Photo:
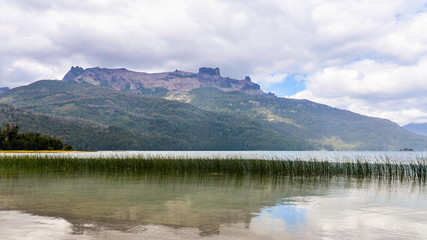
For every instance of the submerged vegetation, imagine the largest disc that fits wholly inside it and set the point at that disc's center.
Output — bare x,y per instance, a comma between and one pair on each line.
383,169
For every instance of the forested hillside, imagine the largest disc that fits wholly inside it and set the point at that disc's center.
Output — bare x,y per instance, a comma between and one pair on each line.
12,139
97,109
418,128
325,127
177,125
82,135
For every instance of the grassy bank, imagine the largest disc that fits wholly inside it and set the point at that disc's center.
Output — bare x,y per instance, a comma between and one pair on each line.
291,167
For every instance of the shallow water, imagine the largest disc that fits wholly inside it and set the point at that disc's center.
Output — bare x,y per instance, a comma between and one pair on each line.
55,205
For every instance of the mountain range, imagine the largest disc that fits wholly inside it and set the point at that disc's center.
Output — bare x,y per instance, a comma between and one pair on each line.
418,128
120,109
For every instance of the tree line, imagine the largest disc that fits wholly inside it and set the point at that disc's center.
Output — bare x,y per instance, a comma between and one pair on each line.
11,139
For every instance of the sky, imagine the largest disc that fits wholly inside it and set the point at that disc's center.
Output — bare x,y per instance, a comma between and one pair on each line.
369,57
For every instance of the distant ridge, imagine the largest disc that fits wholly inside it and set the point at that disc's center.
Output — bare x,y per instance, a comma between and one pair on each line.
4,89
162,84
418,128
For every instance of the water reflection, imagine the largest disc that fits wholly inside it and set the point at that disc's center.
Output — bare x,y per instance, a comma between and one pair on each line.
18,225
100,206
289,218
125,201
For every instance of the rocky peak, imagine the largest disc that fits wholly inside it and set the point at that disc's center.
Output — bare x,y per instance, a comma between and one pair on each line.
209,71
73,73
172,83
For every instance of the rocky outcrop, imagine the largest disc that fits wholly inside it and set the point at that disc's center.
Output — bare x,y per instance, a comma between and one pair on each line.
73,73
176,82
209,71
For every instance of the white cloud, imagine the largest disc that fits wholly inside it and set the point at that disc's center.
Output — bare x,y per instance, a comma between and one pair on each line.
26,68
378,89
267,40
269,79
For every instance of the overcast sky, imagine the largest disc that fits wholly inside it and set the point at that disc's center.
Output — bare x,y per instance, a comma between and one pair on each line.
366,56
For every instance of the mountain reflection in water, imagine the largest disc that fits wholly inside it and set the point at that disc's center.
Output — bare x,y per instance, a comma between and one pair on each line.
98,205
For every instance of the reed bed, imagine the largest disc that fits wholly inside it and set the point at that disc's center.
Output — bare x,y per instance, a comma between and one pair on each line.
383,168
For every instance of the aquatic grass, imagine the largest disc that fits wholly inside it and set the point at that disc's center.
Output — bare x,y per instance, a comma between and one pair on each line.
312,167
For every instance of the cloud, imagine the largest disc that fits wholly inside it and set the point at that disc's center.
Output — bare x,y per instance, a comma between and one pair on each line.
236,36
386,77
322,40
26,68
377,89
351,212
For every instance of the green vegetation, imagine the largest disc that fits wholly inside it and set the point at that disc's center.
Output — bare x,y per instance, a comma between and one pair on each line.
68,147
416,170
94,117
83,134
320,125
11,139
418,128
144,123
158,92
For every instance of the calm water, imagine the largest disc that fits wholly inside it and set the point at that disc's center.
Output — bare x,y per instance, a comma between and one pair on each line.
57,205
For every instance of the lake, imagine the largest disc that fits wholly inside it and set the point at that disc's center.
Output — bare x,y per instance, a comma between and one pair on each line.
99,205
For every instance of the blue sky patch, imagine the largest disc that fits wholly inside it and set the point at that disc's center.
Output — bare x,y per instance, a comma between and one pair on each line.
293,83
293,216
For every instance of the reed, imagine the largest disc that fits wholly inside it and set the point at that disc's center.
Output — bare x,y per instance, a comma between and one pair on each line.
290,167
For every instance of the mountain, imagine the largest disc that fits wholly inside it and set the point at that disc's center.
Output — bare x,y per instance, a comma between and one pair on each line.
3,89
81,134
174,85
205,111
179,125
418,128
321,125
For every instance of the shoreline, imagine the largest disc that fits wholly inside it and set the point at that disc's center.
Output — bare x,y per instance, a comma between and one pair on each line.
40,151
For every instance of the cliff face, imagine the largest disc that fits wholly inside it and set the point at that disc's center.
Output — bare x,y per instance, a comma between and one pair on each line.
74,73
166,83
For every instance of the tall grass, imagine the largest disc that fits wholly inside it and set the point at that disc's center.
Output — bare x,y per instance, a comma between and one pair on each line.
291,167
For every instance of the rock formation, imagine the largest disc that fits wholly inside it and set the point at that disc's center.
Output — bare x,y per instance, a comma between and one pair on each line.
176,82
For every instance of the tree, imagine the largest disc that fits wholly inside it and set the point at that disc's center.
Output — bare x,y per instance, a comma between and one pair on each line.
11,139
68,147
10,132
